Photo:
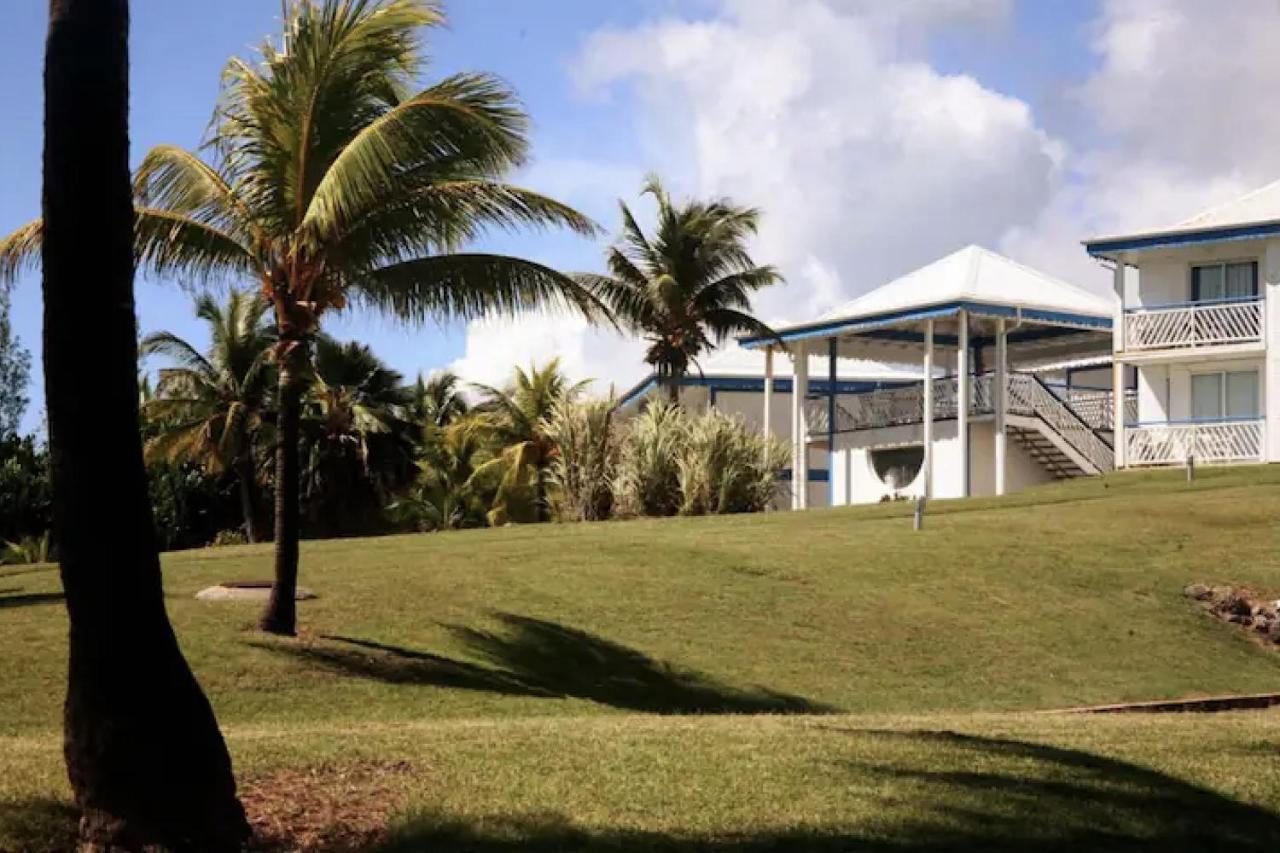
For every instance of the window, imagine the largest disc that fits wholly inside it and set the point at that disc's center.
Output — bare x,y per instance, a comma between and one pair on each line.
1232,394
897,468
1213,282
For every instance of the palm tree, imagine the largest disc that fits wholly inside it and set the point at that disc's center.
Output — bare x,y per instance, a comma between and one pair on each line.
144,756
357,439
457,478
687,289
519,415
437,401
333,183
209,408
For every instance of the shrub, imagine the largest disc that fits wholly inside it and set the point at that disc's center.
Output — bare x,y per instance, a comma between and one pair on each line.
648,478
232,536
28,549
586,461
726,467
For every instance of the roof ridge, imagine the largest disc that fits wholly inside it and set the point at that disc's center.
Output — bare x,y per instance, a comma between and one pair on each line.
1209,211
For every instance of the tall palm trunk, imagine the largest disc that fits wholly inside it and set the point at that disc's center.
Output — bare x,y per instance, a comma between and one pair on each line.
145,759
249,499
280,616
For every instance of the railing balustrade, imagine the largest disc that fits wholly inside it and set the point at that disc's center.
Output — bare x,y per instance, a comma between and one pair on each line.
1096,407
1195,324
1027,396
1208,441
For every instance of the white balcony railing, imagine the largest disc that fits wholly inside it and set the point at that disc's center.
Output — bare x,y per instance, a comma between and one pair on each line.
1193,324
1206,441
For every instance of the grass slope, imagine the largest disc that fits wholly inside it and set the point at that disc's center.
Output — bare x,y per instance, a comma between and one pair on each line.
427,648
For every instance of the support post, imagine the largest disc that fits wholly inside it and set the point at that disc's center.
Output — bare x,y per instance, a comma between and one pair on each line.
927,414
799,425
767,426
832,353
962,401
1001,403
1118,437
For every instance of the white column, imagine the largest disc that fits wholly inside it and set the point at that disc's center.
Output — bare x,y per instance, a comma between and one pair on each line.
928,408
1271,365
1000,401
767,427
1117,282
800,429
1117,412
962,401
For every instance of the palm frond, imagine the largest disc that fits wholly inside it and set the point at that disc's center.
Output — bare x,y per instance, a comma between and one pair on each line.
20,250
471,286
173,244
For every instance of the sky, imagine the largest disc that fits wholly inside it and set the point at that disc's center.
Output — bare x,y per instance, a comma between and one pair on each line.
874,136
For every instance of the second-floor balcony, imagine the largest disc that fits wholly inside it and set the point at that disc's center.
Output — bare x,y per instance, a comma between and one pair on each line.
1194,324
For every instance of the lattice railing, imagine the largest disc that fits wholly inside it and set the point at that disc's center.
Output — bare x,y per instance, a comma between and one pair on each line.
1215,441
1193,325
1097,407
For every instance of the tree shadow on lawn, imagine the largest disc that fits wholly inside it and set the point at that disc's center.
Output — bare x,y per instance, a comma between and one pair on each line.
536,657
1014,796
10,598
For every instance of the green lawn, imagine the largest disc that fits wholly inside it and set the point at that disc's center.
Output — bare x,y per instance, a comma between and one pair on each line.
521,681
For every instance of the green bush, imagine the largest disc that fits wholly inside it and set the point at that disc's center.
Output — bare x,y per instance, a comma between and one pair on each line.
726,467
585,465
28,549
671,461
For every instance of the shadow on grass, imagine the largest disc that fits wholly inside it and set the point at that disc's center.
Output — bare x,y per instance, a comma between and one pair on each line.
38,826
12,598
535,657
975,794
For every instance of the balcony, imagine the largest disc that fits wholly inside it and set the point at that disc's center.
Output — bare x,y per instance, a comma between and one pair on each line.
1194,324
1216,441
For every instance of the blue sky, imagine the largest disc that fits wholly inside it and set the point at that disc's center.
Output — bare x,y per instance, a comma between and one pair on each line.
1034,53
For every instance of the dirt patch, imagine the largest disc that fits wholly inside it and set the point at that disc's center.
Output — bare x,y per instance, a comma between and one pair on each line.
339,809
1257,612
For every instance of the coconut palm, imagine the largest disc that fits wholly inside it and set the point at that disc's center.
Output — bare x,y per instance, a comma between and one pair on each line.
333,182
519,415
689,287
437,401
144,758
357,440
208,408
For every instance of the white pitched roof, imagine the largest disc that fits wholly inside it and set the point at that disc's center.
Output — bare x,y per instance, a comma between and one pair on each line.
734,361
973,274
1253,208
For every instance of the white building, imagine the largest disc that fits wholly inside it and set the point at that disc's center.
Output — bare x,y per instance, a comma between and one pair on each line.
733,381
998,332
1196,322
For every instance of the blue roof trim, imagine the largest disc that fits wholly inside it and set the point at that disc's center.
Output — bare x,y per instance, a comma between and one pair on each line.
1102,248
870,327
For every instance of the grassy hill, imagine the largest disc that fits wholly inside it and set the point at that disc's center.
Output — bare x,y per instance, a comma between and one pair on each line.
437,649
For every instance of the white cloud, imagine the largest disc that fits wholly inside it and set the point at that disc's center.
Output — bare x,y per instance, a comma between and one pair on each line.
868,162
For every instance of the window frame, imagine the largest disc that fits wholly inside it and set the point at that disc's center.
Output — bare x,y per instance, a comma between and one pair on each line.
1193,285
1222,374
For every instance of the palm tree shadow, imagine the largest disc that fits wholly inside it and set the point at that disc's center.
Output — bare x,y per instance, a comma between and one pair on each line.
564,661
38,825
12,598
972,795
536,657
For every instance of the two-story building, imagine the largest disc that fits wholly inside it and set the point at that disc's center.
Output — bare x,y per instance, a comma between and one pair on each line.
1196,305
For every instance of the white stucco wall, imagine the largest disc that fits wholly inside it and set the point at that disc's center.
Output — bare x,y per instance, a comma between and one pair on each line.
1166,277
856,481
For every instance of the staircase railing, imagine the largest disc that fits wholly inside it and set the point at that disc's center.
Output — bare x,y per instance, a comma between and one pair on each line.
1028,395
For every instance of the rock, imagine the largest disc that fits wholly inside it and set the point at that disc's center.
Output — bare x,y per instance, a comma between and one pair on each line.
1198,591
247,593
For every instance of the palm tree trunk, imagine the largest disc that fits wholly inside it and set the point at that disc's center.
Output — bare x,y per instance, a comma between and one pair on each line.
673,389
280,616
248,500
144,756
